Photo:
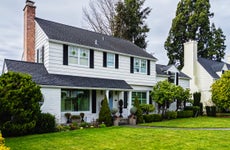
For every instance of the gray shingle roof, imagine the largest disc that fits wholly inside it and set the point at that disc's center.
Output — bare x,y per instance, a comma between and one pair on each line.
212,66
65,33
42,77
161,70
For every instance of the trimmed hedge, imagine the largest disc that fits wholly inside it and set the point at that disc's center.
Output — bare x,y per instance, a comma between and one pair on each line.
171,115
185,114
152,118
211,111
45,123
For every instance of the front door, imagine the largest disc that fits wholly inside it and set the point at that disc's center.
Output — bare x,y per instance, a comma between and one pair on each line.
110,99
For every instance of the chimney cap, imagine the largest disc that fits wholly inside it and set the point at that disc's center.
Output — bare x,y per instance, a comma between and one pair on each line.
30,3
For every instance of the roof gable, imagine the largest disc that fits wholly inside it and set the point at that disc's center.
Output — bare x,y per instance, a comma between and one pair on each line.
212,66
70,34
162,70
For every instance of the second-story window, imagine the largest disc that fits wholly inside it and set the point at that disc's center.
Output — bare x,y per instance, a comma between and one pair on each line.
140,65
78,56
110,60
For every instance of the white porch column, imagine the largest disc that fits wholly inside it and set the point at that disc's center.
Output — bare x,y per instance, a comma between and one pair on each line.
147,96
129,100
107,95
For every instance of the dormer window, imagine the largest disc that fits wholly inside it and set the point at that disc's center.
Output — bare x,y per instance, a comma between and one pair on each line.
78,56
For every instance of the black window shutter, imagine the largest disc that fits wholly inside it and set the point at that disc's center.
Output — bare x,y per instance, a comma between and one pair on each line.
125,99
131,65
104,59
116,61
65,54
43,51
148,67
94,101
177,81
150,98
37,55
91,64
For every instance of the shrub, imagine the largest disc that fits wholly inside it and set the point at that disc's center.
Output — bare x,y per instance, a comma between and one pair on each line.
139,113
19,104
133,110
102,125
105,114
171,114
13,129
196,97
195,109
185,114
152,118
211,111
147,108
45,123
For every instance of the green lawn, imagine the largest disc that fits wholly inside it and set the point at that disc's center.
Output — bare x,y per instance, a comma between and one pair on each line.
200,122
129,138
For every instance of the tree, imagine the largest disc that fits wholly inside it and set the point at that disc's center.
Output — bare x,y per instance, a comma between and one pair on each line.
139,112
164,94
100,16
19,104
182,96
129,21
105,114
221,91
192,23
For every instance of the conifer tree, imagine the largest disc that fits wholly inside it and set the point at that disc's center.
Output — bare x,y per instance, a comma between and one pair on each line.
105,114
192,23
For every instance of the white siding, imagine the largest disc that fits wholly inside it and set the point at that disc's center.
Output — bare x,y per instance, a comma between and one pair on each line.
204,82
52,102
182,82
56,66
41,40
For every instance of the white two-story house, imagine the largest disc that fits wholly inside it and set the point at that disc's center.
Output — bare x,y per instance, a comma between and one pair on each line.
77,68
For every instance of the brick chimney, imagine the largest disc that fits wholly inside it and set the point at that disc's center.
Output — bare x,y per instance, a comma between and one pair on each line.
29,31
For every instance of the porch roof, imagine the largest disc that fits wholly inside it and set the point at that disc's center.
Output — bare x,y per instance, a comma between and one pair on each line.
41,76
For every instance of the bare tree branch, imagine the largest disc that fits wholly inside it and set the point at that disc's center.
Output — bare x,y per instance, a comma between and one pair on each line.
100,16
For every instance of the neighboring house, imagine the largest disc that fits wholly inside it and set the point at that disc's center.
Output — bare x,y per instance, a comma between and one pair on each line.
203,72
173,75
76,68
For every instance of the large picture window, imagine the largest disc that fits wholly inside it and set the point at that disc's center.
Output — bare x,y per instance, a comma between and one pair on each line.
78,56
140,65
142,97
75,100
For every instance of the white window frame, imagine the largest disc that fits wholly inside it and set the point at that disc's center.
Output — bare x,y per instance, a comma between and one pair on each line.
110,62
75,53
138,67
140,99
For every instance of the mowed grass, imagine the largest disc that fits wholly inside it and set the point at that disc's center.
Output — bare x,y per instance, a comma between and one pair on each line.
127,138
199,122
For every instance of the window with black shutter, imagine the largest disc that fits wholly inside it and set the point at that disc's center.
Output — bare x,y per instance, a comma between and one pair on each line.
116,61
131,65
125,99
104,59
148,67
65,54
94,101
91,64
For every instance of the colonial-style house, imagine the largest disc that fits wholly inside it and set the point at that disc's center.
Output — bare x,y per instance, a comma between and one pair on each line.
173,75
203,72
77,68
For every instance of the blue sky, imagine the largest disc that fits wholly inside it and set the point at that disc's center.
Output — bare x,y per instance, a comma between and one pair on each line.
70,12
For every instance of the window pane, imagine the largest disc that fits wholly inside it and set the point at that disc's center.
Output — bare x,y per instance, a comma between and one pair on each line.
73,55
136,65
142,97
143,66
84,57
110,60
75,100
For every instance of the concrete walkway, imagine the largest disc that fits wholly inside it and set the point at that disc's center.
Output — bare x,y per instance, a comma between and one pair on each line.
175,128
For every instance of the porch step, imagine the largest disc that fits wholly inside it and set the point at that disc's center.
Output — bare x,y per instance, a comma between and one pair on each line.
123,121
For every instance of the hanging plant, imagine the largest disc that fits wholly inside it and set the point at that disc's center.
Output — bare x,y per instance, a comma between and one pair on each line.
73,52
